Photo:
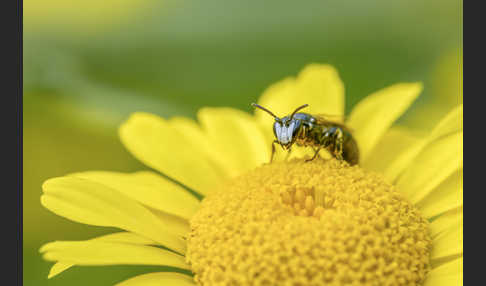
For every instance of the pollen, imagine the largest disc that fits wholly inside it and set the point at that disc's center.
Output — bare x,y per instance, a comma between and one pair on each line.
303,223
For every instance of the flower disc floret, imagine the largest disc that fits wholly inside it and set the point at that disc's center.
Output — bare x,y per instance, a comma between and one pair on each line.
308,223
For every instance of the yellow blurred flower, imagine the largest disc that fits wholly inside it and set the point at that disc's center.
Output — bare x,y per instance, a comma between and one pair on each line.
394,220
77,16
445,91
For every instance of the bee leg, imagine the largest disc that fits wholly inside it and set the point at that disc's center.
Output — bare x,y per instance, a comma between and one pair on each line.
273,150
288,154
338,146
315,155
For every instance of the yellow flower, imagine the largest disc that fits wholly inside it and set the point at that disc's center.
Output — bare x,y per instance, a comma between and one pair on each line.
81,18
394,220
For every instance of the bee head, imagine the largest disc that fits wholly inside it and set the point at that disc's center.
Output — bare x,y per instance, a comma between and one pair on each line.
284,128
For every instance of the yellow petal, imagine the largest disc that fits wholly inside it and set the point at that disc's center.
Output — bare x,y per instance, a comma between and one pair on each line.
449,243
447,196
438,160
393,142
149,189
92,203
192,131
276,98
236,136
157,144
158,279
448,274
124,237
322,86
110,253
121,237
450,124
453,218
373,115
173,223
316,85
59,267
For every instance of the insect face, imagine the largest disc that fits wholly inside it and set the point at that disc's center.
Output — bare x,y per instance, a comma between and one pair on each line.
285,130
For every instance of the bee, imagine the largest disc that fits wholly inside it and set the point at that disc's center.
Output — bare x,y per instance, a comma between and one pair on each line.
313,131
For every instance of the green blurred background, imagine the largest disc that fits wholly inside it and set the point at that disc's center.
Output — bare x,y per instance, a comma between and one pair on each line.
88,64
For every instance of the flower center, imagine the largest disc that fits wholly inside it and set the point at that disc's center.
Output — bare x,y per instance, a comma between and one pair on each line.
308,223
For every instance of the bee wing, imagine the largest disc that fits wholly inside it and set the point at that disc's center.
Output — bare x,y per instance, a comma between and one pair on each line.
333,119
330,117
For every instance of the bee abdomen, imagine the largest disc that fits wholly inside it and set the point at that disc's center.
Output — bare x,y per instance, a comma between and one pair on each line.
351,151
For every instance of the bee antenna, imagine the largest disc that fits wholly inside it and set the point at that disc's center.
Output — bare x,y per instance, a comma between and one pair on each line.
266,110
298,108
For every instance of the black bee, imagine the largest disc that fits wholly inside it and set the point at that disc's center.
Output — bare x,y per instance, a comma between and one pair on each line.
313,131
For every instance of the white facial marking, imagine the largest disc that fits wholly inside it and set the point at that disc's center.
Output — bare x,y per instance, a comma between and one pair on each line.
284,133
